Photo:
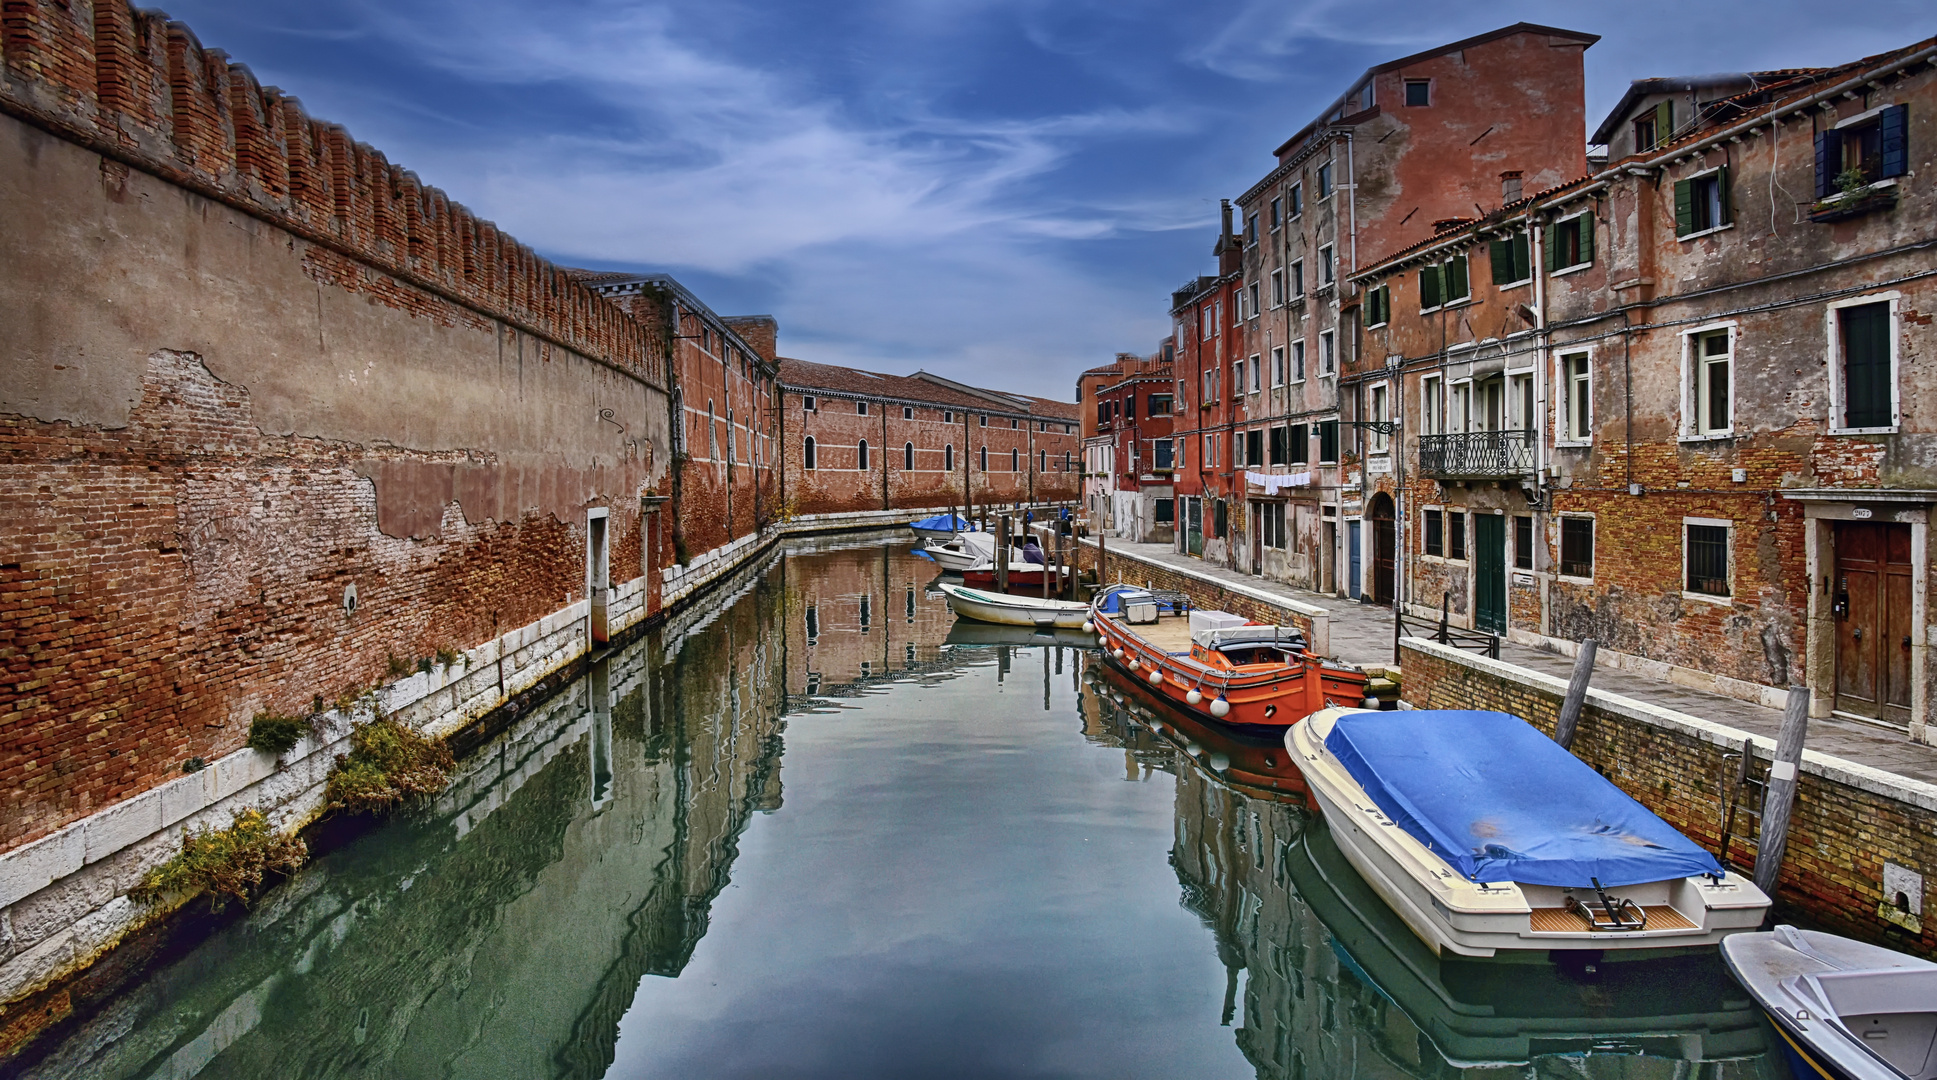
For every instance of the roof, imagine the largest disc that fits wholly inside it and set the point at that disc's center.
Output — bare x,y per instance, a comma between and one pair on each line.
1439,50
1742,80
920,387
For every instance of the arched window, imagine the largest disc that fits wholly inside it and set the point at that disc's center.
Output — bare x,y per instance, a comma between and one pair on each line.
948,457
861,462
908,456
807,453
1042,461
1015,460
985,459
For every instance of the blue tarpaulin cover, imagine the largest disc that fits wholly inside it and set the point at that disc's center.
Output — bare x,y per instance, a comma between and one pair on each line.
1500,801
951,522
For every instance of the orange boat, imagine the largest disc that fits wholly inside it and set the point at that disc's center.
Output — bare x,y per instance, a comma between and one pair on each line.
1218,666
1253,763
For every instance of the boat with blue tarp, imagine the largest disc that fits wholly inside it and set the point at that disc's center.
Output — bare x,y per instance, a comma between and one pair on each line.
1485,835
942,526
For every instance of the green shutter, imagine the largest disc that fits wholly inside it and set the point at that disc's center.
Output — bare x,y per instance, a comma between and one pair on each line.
1428,287
1522,257
1684,207
1499,254
1457,287
1550,244
1587,237
1727,213
1664,123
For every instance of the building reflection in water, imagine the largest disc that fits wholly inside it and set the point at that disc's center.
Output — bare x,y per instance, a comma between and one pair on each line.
1323,980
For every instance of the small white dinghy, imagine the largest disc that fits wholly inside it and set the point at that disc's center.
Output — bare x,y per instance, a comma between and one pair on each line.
1485,836
1013,610
1845,1010
963,551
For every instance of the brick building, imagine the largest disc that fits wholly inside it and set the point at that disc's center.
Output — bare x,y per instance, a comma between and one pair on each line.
1445,133
858,441
1674,404
1127,410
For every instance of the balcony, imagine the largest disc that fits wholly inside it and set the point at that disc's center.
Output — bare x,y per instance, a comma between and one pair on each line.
1476,455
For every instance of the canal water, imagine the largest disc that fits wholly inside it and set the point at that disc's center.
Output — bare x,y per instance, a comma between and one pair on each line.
818,829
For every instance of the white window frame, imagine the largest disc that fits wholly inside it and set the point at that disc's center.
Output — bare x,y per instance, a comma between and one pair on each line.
1205,318
1564,421
1835,353
1571,268
1295,201
1692,413
1516,378
1325,174
1277,366
1298,361
1327,267
807,403
1278,294
1728,546
1257,373
1378,399
1327,354
1712,229
1459,406
1432,401
1237,377
1297,283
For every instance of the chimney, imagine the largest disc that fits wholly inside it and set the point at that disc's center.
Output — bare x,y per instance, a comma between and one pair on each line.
1509,187
1225,205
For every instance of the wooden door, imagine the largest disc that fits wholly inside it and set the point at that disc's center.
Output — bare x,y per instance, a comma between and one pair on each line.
1490,573
1871,605
1384,543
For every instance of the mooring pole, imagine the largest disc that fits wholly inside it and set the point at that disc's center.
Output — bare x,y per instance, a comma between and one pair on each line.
1002,553
1781,790
1570,707
1045,558
1398,627
1099,558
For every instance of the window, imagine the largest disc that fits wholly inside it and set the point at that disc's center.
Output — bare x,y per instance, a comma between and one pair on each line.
1065,461
1326,270
1864,344
1577,390
1459,411
1570,243
1702,203
1253,293
1277,447
1443,283
1706,407
1300,442
948,417
861,456
985,420
1435,532
1297,361
1456,534
1577,547
1257,373
1272,517
1863,151
1706,553
1278,365
1016,425
1511,259
985,459
1251,231
1277,288
1015,460
1654,127
1523,543
1210,385
1324,181
1160,454
1379,445
1159,404
1297,278
1328,442
1237,378
907,412
1253,448
1296,200
1327,354
813,623
807,403
1377,309
908,457
1432,391
1204,317
1210,450
948,458
1277,213
1163,511
807,453
861,408
1419,92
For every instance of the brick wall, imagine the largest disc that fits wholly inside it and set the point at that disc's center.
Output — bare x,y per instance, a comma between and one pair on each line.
1848,819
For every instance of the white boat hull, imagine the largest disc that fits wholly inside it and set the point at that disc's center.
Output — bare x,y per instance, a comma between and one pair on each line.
1453,915
1014,610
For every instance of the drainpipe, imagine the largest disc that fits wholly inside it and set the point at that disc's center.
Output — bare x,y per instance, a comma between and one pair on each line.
1536,240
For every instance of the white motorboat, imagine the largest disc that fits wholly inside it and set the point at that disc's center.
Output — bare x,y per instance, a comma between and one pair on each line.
1485,836
1014,610
1845,1010
964,551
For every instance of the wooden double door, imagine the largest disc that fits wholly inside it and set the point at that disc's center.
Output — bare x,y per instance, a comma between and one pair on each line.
1871,605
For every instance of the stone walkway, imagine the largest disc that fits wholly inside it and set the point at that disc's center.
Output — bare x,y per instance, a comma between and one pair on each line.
1362,634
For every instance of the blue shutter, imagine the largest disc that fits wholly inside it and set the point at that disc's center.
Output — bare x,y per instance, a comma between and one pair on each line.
1895,125
1829,148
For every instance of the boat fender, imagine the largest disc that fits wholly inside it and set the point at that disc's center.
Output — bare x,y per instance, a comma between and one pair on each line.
1156,678
1220,708
1133,663
1089,627
1193,697
1118,653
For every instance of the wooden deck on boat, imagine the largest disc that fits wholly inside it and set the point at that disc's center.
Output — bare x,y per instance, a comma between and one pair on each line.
1171,633
1562,921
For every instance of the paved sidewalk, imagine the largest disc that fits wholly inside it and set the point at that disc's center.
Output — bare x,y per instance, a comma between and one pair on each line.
1362,634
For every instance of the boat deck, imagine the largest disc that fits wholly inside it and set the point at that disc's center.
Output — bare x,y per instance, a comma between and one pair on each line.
1562,921
1171,633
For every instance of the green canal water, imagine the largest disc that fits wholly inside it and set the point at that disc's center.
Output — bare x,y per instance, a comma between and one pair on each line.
819,830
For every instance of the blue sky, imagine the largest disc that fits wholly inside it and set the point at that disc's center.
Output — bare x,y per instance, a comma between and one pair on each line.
1001,191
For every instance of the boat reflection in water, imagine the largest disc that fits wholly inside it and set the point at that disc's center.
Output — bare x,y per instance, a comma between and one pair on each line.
1324,980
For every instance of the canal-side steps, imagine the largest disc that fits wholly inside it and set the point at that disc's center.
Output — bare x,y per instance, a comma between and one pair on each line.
1863,831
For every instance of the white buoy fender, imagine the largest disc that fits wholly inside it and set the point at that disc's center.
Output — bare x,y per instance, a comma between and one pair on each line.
1133,663
1193,697
1156,677
1089,627
1220,708
1118,653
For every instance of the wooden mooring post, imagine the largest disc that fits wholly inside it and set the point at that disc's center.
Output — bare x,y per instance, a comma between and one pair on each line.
1002,553
1570,706
1780,793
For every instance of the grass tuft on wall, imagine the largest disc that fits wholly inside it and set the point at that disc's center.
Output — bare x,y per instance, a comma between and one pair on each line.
229,863
388,766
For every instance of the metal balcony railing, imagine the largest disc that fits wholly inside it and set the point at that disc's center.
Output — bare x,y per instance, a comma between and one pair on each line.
1473,454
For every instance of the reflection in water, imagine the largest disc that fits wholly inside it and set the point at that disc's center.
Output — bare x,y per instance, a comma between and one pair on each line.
958,885
1324,980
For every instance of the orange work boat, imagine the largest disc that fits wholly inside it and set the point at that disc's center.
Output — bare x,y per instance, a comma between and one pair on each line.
1218,666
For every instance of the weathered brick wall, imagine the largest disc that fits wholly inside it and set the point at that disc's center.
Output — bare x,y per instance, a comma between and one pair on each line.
1847,820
